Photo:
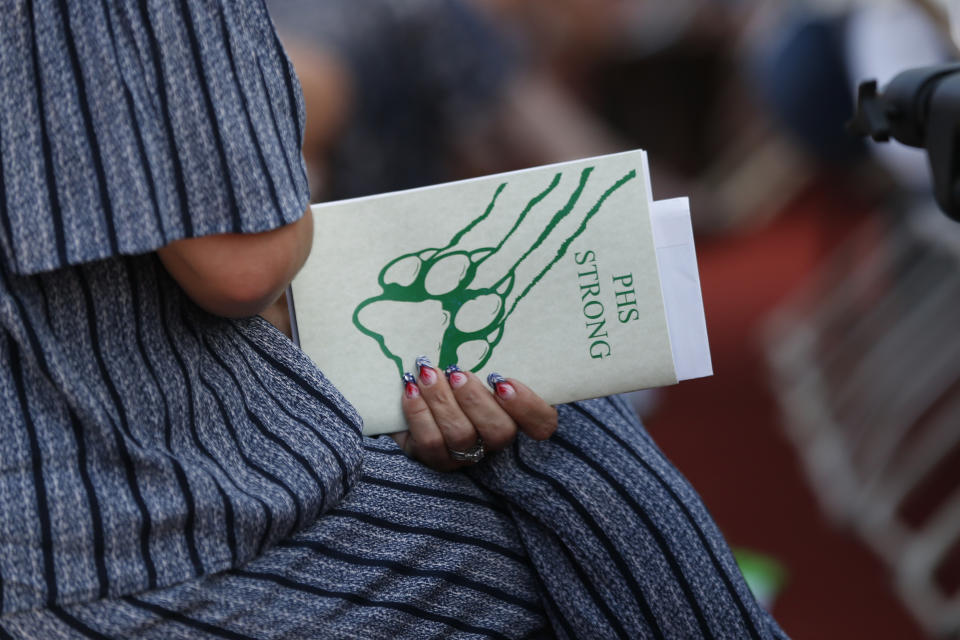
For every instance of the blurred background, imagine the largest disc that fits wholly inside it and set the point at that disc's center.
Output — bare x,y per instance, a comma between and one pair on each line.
827,444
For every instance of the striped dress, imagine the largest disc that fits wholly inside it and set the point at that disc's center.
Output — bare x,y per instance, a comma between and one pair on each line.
165,473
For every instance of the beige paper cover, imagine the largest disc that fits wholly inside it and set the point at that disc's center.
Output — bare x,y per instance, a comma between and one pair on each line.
547,275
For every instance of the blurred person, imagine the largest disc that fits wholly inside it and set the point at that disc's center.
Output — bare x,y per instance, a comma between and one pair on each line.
880,41
811,57
406,79
402,94
172,466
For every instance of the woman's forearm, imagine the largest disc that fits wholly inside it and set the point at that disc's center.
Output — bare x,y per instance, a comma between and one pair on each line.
238,275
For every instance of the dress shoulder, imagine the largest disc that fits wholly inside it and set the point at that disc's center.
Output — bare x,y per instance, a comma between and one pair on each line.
127,125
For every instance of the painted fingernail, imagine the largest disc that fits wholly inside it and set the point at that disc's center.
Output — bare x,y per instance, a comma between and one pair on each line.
456,376
410,388
500,386
428,375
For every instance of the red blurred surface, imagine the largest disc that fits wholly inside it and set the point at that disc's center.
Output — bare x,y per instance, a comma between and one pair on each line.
724,433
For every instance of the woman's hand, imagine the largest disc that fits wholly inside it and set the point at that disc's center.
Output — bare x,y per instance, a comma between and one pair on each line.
450,416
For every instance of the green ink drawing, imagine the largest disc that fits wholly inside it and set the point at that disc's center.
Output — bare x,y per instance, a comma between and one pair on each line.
472,291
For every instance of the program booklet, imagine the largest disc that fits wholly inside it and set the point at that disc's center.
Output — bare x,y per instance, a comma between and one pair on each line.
568,277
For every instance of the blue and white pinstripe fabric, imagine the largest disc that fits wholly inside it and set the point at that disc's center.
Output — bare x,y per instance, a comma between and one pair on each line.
168,474
128,124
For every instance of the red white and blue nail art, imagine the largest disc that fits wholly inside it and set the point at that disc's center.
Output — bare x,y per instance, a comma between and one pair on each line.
410,388
428,375
455,376
500,386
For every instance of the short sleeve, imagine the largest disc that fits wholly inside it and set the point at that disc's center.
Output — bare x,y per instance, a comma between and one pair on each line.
127,125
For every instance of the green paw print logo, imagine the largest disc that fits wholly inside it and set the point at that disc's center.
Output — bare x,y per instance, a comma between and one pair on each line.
471,291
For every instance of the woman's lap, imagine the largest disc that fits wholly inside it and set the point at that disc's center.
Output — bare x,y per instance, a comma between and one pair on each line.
409,553
638,552
594,525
